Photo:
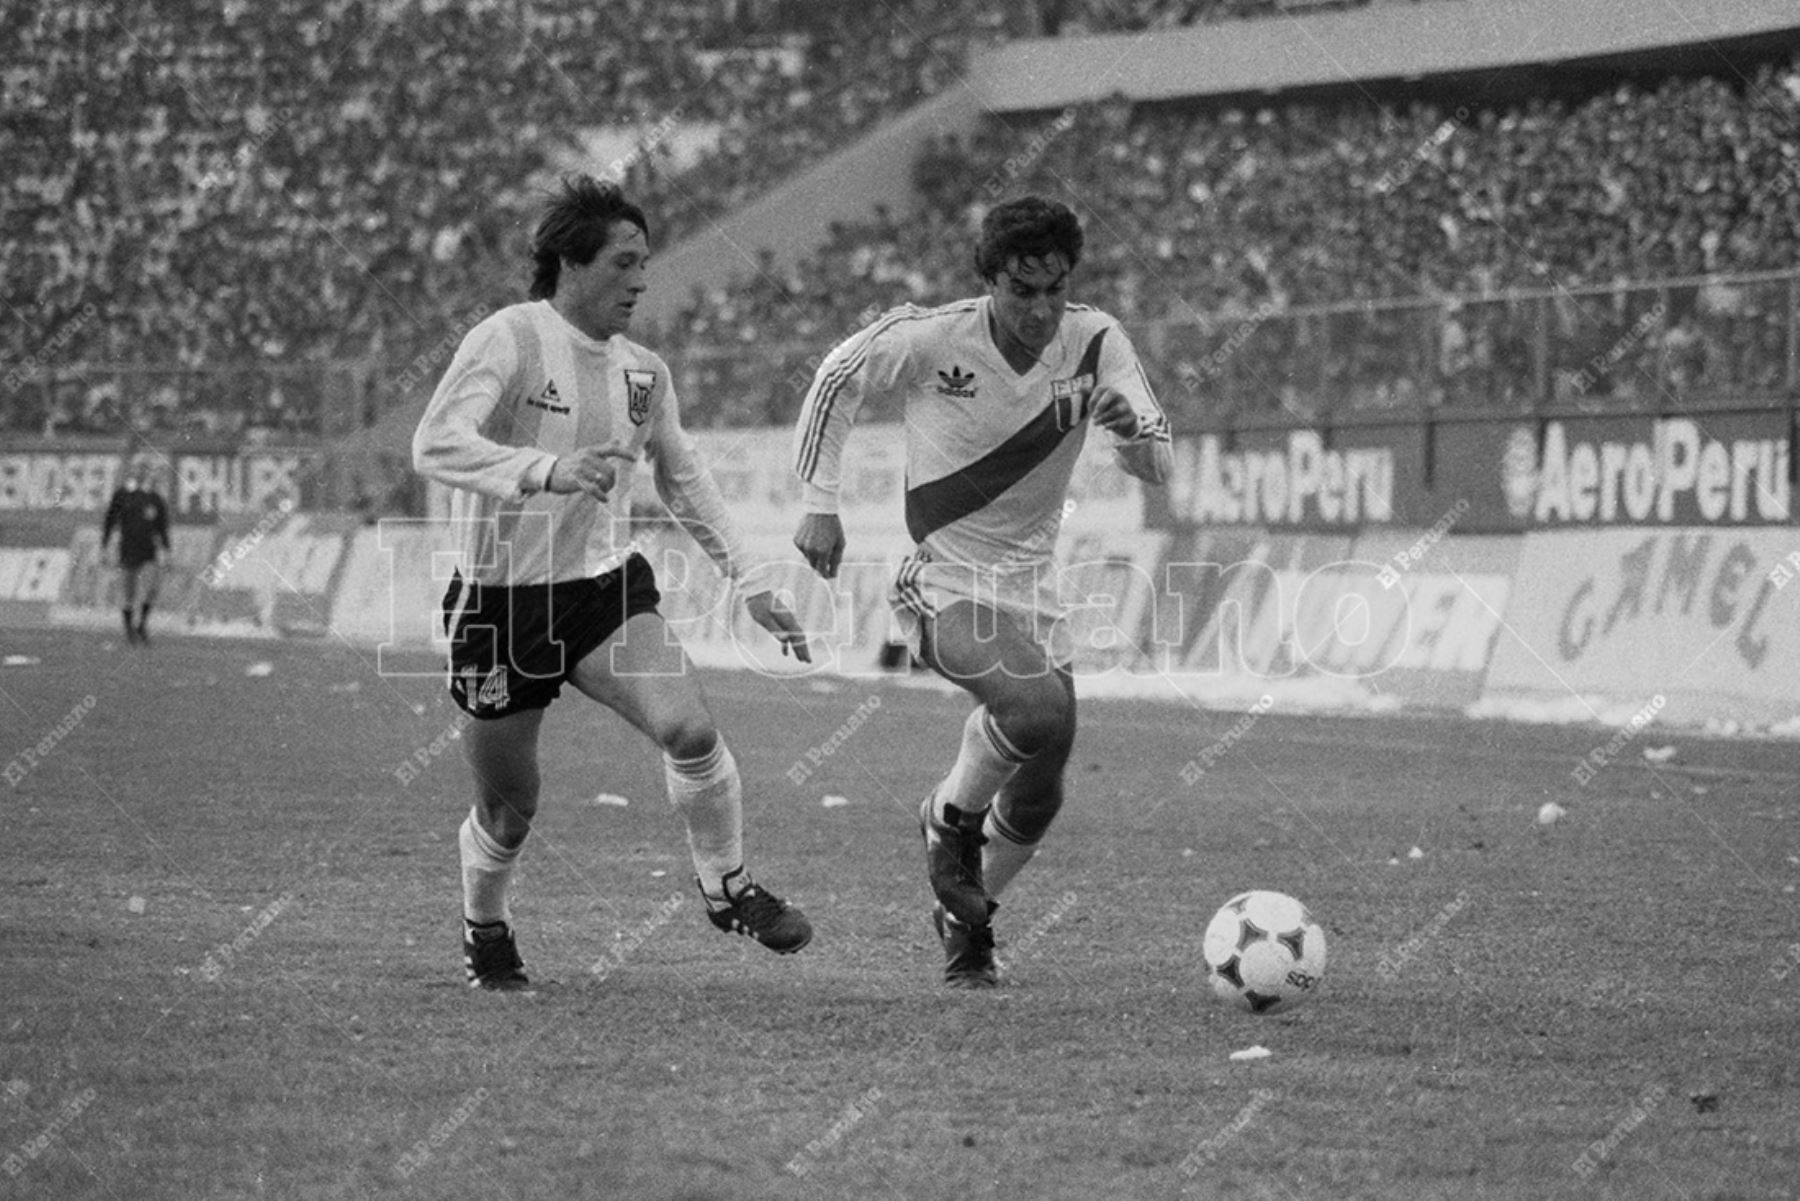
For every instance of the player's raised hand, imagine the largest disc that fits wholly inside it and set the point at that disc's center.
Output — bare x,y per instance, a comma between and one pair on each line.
1113,413
767,610
588,470
820,539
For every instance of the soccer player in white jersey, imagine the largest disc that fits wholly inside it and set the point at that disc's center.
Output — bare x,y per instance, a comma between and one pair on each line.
997,393
538,422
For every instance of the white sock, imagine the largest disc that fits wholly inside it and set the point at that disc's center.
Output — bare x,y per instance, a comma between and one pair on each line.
487,867
1004,855
709,795
986,762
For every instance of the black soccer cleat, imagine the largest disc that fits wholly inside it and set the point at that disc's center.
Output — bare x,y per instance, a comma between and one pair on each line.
491,958
953,863
757,913
968,951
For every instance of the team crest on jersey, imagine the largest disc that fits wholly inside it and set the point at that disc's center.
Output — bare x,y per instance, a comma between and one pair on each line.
1071,397
957,382
549,399
638,387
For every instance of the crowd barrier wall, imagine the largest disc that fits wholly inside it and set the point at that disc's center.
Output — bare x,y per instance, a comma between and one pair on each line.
1589,622
1699,624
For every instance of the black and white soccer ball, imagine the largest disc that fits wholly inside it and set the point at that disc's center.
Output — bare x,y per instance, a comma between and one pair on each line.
1264,952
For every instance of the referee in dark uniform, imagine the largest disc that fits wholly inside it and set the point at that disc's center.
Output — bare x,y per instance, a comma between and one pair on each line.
141,516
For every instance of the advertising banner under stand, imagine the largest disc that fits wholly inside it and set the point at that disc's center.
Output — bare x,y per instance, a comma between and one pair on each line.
1618,469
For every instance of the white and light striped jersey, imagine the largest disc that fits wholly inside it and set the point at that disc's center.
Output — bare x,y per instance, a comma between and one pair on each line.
526,387
989,451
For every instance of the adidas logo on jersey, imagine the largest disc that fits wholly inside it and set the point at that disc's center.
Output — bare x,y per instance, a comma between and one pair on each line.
549,399
957,382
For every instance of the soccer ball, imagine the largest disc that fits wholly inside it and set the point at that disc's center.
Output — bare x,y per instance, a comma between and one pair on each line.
1264,952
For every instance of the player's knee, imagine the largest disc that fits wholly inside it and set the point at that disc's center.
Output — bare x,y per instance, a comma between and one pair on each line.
507,811
686,736
1039,722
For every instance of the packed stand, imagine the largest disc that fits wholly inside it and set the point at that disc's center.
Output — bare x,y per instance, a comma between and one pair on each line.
1210,226
195,183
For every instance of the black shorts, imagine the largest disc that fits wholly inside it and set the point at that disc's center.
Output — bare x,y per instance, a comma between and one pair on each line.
512,648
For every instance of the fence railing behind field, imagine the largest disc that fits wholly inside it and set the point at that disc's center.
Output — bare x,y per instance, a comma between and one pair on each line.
1659,346
1662,346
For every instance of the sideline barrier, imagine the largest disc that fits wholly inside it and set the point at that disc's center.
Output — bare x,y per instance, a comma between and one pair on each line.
263,577
392,589
34,570
1573,625
1218,617
1427,617
1607,620
1262,624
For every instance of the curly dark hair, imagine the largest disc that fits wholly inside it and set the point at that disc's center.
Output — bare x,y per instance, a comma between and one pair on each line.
1026,228
575,226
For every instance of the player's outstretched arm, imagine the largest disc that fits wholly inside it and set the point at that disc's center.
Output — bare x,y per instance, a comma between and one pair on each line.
1143,439
162,526
114,508
692,496
449,445
870,363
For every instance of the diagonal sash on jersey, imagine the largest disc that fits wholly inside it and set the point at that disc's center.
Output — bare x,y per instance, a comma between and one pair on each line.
934,505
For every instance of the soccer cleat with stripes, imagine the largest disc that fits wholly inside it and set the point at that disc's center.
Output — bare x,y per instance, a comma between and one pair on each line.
755,912
968,951
491,958
953,863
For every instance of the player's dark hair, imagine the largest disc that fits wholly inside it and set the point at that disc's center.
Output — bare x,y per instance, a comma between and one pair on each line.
575,226
1027,228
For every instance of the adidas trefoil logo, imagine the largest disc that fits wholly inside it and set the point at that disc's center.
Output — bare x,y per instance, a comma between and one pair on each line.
957,382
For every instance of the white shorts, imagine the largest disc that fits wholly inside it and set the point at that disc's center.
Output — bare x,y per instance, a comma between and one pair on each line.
923,587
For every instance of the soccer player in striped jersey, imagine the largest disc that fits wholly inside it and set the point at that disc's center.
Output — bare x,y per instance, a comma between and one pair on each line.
997,394
537,423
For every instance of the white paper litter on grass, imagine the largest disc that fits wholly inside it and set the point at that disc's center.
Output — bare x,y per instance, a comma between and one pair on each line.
21,660
1257,1052
260,669
834,801
1659,754
610,798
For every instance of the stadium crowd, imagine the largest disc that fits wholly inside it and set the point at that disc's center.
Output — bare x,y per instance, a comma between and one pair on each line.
197,182
1225,218
205,181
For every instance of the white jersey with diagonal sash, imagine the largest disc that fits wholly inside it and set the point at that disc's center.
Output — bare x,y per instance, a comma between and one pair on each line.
989,450
527,387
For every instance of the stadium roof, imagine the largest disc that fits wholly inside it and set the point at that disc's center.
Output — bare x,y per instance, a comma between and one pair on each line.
1392,41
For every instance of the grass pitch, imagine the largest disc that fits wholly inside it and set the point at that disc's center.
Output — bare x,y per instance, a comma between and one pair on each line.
228,924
